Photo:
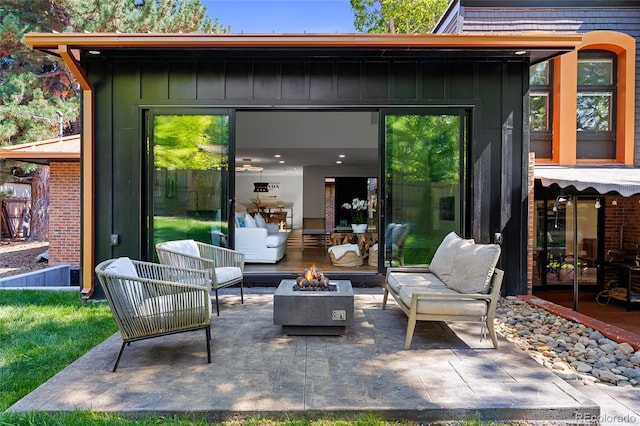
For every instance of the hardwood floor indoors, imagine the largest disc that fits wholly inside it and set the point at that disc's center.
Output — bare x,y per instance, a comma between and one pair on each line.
296,260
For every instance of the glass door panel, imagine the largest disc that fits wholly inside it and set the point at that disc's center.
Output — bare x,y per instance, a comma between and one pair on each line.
558,266
424,175
190,178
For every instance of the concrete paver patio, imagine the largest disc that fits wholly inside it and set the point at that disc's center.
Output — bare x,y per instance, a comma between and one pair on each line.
449,374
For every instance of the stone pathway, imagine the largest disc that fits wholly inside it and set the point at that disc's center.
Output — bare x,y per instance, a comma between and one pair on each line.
570,349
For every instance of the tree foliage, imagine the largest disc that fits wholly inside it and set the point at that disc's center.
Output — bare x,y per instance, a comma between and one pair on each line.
193,142
397,16
39,97
129,16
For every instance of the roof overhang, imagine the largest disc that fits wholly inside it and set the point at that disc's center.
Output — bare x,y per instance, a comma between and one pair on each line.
624,181
536,45
64,149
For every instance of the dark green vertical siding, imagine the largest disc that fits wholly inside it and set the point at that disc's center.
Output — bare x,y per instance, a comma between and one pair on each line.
492,90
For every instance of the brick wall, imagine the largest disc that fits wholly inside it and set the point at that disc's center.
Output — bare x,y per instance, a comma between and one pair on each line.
626,212
330,205
64,214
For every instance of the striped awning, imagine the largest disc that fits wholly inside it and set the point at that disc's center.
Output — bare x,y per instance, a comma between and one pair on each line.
624,181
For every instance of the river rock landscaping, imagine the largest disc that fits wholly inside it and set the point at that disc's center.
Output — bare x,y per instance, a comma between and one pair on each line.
571,350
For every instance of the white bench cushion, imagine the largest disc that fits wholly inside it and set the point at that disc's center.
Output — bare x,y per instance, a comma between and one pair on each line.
397,280
473,268
458,307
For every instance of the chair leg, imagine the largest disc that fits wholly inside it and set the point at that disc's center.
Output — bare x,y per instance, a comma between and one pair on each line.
411,326
217,306
492,332
207,330
241,293
115,364
384,298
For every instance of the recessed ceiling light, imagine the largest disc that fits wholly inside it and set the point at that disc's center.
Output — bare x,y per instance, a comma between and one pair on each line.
277,156
341,156
338,162
281,161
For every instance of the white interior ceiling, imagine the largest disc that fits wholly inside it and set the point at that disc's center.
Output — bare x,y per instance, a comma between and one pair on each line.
306,138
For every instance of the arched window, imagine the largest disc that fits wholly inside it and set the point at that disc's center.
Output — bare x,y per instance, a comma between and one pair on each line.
595,105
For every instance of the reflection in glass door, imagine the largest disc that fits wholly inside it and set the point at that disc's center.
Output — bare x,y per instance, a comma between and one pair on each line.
190,175
555,251
424,183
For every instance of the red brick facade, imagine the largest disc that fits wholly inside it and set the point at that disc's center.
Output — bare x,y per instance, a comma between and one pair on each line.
627,212
64,213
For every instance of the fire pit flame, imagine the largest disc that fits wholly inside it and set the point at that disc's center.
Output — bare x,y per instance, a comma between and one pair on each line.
312,279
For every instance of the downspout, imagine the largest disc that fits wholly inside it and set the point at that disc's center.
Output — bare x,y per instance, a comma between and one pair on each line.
87,253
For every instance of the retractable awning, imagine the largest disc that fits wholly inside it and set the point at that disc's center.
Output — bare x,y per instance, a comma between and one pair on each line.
622,180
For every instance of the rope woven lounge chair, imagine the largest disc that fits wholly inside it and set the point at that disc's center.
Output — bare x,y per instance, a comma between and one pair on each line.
151,300
225,266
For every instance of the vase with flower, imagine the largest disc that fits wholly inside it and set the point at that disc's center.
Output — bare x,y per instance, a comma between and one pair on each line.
358,209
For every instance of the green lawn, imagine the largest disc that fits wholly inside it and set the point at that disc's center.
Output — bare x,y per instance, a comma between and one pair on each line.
41,332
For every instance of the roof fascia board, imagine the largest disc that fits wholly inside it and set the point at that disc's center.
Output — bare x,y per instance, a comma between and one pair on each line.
67,41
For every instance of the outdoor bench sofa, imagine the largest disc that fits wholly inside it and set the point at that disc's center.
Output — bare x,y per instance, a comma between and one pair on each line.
462,283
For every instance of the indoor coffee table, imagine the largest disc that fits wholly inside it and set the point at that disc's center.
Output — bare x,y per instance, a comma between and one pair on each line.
313,313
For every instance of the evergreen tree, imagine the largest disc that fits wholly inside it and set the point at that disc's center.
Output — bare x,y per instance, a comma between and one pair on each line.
39,98
397,16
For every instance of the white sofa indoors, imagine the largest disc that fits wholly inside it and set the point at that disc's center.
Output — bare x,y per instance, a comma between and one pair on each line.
260,242
462,283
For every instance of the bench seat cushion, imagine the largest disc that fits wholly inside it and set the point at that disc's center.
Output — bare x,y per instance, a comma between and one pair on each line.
459,307
397,280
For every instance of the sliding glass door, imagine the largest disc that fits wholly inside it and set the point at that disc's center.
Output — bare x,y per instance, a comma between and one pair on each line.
424,182
189,177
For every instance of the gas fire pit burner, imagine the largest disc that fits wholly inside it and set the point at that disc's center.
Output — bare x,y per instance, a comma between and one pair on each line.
312,279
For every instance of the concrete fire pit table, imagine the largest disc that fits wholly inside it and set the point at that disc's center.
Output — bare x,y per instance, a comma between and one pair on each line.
313,313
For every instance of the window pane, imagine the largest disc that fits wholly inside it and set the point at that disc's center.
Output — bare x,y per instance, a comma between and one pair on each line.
423,185
595,72
539,112
190,158
594,112
539,74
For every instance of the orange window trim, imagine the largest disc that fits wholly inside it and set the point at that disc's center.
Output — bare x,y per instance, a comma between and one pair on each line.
565,91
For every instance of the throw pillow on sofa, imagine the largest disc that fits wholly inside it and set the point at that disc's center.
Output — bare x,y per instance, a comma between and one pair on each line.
249,221
473,268
260,222
443,259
